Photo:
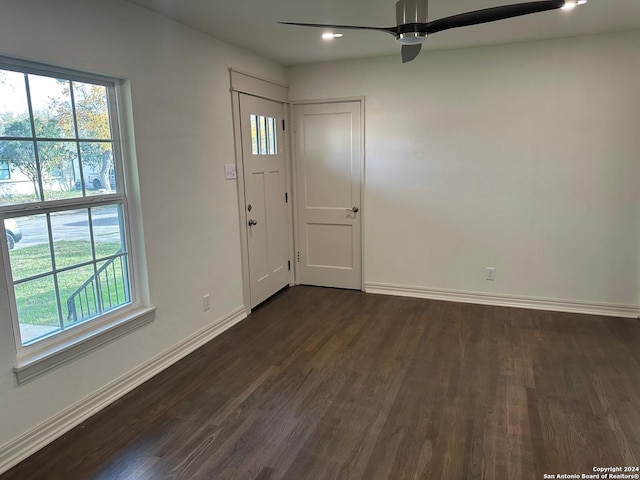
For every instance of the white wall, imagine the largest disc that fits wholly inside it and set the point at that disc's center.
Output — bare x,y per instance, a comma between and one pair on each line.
522,157
184,135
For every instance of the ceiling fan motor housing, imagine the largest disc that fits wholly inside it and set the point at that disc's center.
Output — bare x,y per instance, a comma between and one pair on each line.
408,14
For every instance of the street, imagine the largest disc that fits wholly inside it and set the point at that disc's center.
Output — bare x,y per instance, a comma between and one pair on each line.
70,226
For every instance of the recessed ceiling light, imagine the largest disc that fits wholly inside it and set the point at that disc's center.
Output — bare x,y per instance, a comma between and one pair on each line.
571,4
331,36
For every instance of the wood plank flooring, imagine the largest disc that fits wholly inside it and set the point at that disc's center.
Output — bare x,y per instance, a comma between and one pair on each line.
333,384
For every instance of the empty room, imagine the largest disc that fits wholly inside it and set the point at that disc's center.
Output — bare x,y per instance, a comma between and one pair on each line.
267,239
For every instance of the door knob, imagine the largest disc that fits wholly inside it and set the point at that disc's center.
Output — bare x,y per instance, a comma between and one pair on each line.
353,209
252,222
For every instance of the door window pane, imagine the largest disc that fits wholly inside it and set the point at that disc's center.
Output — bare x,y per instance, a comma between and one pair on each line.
254,135
272,136
263,135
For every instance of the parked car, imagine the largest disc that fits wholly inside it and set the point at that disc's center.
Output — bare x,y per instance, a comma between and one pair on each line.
92,181
14,234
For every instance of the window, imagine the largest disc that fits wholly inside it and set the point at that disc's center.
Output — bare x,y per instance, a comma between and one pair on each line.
5,173
66,210
263,135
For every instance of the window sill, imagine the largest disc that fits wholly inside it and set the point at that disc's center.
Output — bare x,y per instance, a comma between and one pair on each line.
33,363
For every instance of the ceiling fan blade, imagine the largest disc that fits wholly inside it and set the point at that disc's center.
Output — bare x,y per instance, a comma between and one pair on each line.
492,14
410,52
391,30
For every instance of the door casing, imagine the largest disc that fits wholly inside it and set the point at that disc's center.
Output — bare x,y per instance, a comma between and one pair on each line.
266,194
244,83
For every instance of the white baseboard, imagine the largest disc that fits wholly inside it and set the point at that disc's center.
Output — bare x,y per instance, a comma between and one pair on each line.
30,442
555,305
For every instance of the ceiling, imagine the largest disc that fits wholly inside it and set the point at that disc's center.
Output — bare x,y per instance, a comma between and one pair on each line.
252,24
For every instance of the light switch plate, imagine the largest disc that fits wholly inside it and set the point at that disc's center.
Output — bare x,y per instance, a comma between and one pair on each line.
230,172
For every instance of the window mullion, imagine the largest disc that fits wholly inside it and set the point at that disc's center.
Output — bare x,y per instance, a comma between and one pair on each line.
269,133
61,205
33,138
59,139
55,274
116,140
95,266
59,270
77,135
26,67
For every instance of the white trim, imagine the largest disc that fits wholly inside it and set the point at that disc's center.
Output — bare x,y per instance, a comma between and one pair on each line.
514,301
24,65
64,346
247,83
329,100
242,203
18,449
235,71
243,83
288,154
67,343
294,195
363,172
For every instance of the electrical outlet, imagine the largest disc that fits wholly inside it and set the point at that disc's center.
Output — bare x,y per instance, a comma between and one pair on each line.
491,273
206,302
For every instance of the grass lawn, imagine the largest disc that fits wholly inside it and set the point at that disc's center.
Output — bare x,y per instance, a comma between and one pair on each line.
36,299
17,198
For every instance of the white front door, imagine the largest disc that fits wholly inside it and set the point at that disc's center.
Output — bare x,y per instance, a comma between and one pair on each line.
329,163
263,155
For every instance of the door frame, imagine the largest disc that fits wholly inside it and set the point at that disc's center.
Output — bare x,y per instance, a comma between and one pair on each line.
294,192
248,84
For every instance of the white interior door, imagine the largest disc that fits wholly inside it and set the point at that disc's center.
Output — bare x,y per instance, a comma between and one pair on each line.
328,141
263,156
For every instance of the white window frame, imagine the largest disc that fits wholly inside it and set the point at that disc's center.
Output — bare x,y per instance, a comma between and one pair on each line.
43,355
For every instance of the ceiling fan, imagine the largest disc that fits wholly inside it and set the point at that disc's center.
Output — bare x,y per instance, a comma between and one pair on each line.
412,25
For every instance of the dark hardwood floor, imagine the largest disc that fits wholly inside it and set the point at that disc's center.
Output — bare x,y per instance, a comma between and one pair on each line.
322,384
